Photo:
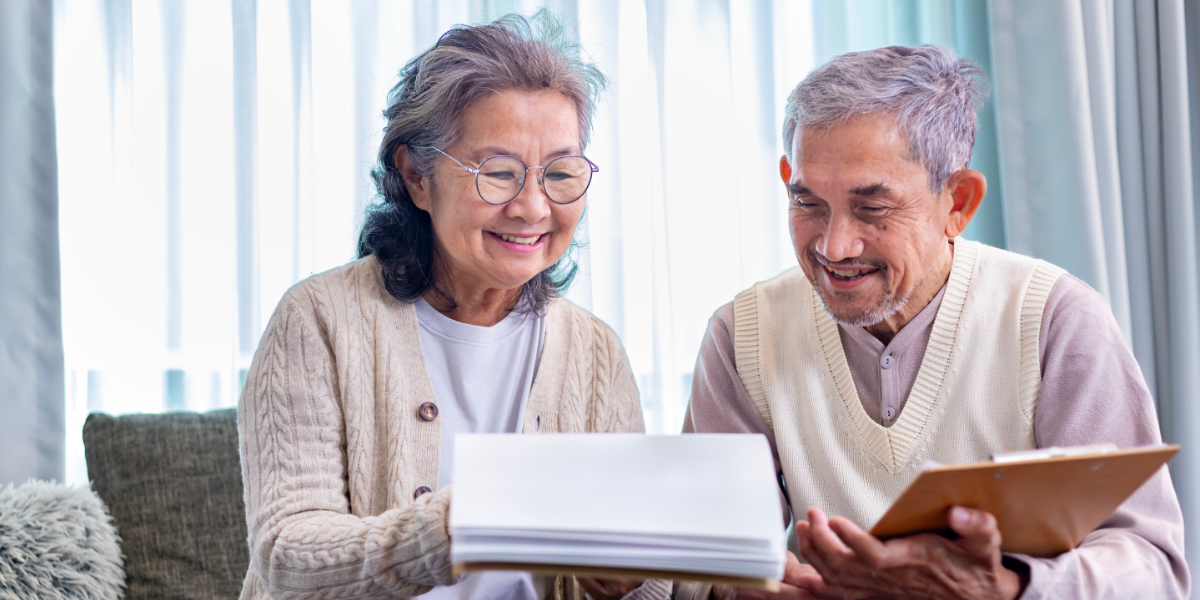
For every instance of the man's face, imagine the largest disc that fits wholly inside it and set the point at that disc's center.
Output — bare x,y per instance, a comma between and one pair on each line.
868,232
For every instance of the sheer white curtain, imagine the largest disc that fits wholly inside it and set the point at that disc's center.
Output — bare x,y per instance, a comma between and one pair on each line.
212,154
31,432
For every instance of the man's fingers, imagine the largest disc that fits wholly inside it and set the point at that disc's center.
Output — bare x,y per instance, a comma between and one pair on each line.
824,539
868,548
834,556
814,586
810,554
978,530
786,592
793,569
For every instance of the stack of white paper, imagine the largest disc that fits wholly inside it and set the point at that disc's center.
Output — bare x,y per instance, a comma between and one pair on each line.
705,504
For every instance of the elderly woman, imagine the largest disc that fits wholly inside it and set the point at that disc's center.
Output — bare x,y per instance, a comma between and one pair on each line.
449,322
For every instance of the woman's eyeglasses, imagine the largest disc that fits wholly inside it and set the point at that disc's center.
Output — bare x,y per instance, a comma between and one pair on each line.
501,177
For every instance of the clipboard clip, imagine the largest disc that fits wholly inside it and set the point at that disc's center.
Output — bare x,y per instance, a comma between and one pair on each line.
1053,452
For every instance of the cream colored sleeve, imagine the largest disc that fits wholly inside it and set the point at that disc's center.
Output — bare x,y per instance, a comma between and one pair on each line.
616,404
304,540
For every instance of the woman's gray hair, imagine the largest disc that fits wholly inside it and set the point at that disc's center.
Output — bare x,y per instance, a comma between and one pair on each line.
425,111
933,94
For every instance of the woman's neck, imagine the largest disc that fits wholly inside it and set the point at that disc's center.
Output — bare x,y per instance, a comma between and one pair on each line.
480,306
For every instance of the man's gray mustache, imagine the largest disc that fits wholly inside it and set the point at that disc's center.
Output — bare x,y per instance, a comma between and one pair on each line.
847,264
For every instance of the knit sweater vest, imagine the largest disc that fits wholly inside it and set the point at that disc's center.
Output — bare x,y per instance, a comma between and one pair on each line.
975,393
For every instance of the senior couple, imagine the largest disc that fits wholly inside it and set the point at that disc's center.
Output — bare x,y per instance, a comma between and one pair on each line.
893,342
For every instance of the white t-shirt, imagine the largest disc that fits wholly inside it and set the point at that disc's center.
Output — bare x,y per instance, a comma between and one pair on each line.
481,377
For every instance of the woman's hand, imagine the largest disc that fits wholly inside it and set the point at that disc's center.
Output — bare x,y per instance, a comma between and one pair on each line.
608,589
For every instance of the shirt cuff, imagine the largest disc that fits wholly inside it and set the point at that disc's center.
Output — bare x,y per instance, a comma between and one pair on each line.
1036,575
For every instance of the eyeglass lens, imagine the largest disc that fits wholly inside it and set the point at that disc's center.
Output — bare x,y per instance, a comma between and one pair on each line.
501,178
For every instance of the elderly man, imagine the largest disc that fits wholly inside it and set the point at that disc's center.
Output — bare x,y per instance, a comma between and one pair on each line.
897,342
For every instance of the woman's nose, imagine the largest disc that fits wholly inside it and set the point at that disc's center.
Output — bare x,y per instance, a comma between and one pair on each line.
531,204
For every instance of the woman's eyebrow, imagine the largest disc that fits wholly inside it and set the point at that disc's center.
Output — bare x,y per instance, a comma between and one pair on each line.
486,152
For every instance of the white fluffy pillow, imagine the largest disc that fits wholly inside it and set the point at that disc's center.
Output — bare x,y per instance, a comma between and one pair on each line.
57,541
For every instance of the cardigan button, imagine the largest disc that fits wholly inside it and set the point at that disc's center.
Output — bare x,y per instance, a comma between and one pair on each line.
421,491
428,411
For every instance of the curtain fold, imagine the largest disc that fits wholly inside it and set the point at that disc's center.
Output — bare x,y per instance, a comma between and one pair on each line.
31,353
1096,150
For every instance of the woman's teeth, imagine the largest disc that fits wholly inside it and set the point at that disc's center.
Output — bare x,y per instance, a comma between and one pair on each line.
519,240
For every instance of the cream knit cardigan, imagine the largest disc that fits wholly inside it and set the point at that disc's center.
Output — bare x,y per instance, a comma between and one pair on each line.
333,449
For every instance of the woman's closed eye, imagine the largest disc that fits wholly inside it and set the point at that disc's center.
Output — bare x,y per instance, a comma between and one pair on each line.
501,175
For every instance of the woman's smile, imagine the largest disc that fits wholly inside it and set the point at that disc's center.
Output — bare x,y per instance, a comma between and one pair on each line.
520,243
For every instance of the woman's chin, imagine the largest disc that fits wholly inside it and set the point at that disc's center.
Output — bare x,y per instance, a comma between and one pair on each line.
513,279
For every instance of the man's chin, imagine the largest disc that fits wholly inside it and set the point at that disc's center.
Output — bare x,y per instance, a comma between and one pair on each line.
854,318
849,309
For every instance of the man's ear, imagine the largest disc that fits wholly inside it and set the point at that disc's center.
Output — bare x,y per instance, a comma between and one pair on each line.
417,185
966,189
785,169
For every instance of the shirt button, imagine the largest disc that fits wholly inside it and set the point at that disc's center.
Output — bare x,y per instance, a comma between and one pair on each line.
421,491
889,413
428,411
887,361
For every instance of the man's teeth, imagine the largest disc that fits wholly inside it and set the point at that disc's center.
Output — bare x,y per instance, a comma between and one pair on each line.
848,274
519,240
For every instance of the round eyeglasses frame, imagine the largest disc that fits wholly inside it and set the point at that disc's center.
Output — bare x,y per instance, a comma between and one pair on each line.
541,179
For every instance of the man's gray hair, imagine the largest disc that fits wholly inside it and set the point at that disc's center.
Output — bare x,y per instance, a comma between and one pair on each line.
933,94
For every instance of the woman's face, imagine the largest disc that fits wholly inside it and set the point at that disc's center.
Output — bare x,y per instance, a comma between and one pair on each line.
484,246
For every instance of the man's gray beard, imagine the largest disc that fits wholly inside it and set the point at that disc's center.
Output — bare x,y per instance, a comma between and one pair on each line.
888,305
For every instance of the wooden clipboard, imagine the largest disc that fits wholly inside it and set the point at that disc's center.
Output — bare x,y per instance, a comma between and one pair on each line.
1044,507
770,585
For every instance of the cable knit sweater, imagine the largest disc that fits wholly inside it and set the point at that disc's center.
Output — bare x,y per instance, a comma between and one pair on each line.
334,451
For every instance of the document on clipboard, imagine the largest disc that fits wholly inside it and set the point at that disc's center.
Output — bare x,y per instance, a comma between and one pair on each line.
1045,501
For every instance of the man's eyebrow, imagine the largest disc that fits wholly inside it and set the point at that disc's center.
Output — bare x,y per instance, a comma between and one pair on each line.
796,189
875,189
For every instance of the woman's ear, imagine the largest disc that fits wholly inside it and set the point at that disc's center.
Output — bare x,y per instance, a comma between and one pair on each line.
417,185
966,189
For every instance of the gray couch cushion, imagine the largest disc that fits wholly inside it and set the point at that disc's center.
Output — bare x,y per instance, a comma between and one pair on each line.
173,484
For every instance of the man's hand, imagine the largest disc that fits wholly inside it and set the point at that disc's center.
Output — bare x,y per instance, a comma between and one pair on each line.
607,589
851,563
793,572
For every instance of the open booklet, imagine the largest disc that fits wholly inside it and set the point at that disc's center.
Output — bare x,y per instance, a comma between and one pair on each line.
701,507
1045,501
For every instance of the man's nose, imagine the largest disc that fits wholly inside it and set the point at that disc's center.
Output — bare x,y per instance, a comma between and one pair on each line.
840,240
